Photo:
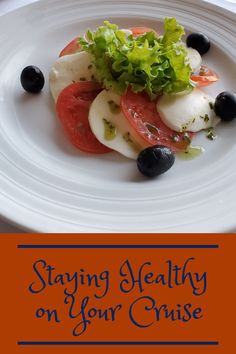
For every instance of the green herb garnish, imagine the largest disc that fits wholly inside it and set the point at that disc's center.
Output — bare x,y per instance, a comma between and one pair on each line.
109,130
114,107
211,134
205,118
211,105
127,137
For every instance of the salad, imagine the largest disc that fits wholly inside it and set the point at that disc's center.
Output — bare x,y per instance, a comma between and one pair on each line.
135,91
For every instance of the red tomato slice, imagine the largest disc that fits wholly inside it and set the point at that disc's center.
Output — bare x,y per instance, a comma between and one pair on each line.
144,118
138,31
71,48
205,77
72,108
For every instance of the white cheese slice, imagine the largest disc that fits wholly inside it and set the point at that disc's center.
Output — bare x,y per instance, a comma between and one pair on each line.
192,112
70,69
110,126
195,59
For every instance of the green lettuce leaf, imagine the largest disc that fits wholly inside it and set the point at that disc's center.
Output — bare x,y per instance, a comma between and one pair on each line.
150,63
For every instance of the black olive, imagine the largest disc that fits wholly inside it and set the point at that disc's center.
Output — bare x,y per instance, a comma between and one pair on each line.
225,105
155,160
32,79
198,41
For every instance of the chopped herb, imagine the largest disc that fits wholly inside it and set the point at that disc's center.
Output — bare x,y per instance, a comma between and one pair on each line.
134,144
187,124
205,118
186,138
114,107
211,134
127,138
82,79
211,105
90,66
92,77
109,130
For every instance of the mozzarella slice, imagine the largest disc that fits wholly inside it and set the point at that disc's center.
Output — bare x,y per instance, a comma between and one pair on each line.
195,59
69,69
110,126
192,112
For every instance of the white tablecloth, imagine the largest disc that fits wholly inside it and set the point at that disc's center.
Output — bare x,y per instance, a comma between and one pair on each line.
9,5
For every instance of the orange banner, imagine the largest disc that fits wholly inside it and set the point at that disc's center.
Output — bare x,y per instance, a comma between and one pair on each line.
113,293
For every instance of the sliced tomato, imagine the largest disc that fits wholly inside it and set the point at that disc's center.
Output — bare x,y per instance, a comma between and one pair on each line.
142,114
205,77
71,48
72,108
138,31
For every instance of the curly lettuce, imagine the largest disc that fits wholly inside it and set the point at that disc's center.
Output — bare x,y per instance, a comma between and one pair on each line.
150,63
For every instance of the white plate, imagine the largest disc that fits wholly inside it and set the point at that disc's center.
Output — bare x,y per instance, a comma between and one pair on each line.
49,186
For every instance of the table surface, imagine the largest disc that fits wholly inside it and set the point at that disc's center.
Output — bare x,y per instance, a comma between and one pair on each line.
9,5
